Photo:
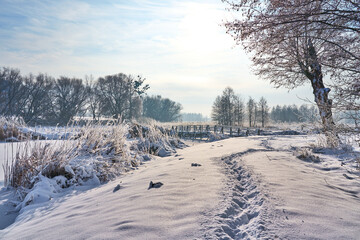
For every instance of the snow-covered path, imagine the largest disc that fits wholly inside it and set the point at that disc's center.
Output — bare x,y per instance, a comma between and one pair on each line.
243,189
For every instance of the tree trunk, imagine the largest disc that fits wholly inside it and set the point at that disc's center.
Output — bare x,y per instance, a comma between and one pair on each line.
321,96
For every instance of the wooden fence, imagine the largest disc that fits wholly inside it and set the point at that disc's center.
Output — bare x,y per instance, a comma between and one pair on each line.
205,131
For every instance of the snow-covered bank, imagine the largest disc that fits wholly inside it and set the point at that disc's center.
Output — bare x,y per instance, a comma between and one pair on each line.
172,211
237,188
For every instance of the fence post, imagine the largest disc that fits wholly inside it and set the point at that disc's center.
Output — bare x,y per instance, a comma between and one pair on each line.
230,131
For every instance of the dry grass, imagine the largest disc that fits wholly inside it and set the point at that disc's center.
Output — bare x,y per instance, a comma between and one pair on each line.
93,151
154,138
36,157
9,128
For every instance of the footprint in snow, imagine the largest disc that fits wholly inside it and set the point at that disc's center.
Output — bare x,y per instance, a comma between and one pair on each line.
196,165
155,185
117,188
348,177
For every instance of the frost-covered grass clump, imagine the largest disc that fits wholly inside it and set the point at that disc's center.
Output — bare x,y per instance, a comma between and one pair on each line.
95,155
9,129
155,140
306,154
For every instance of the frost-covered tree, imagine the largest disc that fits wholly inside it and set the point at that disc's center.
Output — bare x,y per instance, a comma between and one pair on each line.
264,111
298,41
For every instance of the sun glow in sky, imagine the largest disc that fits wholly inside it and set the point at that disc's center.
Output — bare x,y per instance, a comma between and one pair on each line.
180,47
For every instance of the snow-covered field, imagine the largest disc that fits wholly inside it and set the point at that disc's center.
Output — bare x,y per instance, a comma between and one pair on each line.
240,188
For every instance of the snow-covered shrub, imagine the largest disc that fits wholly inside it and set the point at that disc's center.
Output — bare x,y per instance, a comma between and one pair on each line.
346,144
104,150
215,136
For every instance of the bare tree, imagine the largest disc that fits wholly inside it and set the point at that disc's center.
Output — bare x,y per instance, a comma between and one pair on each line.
216,112
13,93
136,90
93,99
69,99
38,107
223,107
256,114
120,95
227,100
239,110
114,94
251,111
297,41
264,111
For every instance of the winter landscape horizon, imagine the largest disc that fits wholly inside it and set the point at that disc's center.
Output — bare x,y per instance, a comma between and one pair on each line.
205,119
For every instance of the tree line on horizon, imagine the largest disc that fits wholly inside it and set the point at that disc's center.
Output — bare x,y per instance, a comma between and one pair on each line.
230,109
294,114
42,99
193,117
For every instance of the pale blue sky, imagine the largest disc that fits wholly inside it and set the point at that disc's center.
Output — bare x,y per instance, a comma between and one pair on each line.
179,46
